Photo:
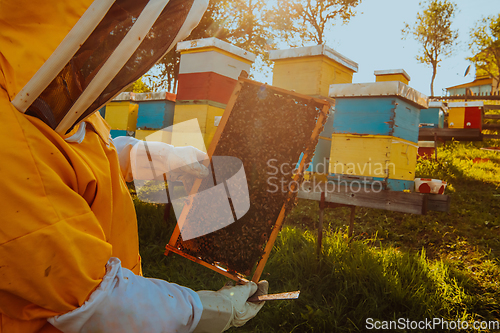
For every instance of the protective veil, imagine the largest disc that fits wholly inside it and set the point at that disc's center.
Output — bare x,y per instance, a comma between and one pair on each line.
66,211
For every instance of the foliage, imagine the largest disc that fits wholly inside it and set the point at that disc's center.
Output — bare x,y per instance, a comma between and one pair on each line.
244,25
301,21
163,76
441,265
485,45
238,22
432,29
138,87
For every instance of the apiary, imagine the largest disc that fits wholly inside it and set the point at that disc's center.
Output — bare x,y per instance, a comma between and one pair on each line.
122,115
311,70
433,117
156,110
465,114
255,129
392,75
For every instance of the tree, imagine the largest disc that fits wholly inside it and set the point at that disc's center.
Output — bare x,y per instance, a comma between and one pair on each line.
163,76
485,45
302,21
245,25
138,87
432,30
239,22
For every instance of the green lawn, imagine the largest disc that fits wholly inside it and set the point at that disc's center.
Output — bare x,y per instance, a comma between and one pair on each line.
441,265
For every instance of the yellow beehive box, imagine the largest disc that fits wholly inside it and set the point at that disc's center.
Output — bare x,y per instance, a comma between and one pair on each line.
392,75
122,115
375,156
208,117
311,70
456,117
154,135
214,115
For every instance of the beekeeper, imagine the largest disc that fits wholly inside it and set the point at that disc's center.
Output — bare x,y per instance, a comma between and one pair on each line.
69,258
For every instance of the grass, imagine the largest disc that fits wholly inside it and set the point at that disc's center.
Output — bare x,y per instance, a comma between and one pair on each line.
441,265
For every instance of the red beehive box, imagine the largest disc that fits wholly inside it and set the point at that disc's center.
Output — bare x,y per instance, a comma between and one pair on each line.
466,114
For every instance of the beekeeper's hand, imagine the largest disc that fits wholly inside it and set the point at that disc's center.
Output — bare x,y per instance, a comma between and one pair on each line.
150,160
228,307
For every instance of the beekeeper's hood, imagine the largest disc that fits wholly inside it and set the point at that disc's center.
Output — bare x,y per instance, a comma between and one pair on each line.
62,60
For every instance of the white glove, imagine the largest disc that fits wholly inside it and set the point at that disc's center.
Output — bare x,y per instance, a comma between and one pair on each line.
149,160
228,307
127,303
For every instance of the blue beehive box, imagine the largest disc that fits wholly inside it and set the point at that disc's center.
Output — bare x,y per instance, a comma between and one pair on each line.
379,108
117,133
433,117
156,110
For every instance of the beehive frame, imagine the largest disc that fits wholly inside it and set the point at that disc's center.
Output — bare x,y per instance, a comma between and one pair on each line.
323,106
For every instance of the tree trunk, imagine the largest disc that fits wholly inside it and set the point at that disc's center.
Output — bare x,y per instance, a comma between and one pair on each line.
434,71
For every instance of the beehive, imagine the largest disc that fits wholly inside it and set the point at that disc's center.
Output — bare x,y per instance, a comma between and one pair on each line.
465,114
122,115
208,72
154,135
156,110
205,86
207,113
426,149
373,156
117,133
375,133
209,69
392,75
311,70
255,129
378,108
433,116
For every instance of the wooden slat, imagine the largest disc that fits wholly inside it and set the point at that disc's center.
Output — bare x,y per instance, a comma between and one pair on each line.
491,136
491,107
413,203
447,134
491,126
492,116
215,268
464,97
438,202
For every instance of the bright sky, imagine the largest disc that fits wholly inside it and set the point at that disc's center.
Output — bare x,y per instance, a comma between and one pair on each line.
372,38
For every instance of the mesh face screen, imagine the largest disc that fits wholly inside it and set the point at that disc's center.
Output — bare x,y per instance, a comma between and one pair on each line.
153,48
69,84
75,77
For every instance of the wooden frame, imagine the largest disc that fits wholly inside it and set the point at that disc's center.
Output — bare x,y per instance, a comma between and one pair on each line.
171,246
